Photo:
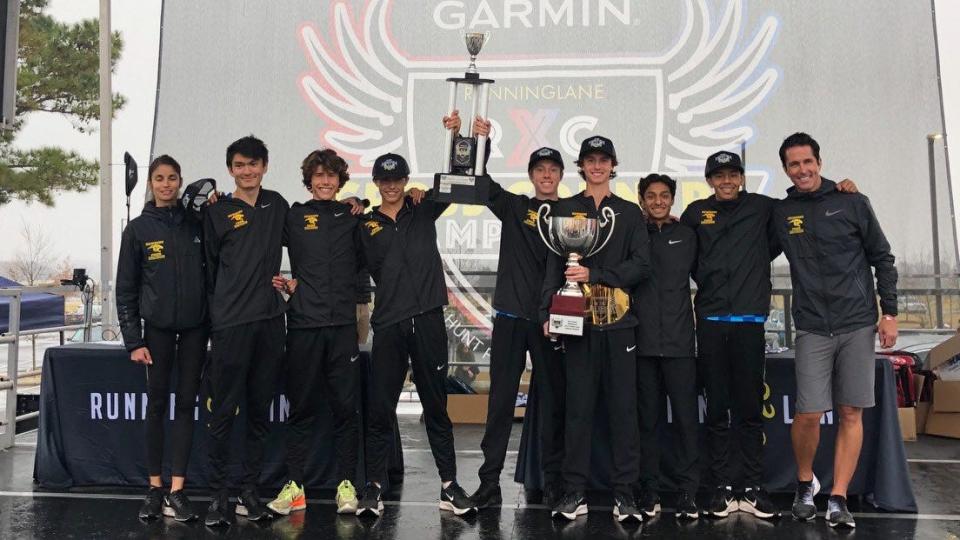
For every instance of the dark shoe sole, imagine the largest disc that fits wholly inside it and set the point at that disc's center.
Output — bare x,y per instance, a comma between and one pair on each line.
480,505
216,523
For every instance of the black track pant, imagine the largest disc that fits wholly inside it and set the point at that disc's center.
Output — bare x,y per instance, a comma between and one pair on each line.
731,367
601,365
512,339
322,362
188,350
243,373
422,340
658,378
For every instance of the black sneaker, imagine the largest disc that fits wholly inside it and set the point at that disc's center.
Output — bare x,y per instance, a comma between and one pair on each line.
218,510
624,508
722,503
487,495
804,509
757,502
177,505
649,502
249,506
572,504
454,499
837,513
686,506
370,502
152,504
552,493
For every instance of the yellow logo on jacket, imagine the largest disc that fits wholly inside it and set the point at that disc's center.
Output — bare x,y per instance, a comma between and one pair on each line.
155,249
578,215
238,219
708,217
531,220
373,227
796,224
310,222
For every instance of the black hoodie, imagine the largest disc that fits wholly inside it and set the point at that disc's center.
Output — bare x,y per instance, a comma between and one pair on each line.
243,247
832,240
160,274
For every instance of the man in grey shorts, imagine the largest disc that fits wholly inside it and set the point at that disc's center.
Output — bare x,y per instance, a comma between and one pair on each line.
832,241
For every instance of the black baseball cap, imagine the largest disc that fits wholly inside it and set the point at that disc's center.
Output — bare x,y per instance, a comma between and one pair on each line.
545,153
723,160
390,166
595,144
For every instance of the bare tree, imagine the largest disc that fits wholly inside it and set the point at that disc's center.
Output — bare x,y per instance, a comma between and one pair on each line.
62,270
34,262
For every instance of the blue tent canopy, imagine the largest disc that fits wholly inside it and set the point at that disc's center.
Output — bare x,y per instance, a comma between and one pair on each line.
38,310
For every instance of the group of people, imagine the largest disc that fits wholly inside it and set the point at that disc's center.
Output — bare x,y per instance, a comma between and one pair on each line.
184,278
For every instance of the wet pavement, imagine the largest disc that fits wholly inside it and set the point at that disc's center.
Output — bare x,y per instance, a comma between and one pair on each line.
411,510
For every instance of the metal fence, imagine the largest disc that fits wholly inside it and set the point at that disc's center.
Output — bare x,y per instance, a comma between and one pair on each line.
12,339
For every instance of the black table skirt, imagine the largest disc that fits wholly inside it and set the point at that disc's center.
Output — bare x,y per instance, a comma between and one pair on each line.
91,429
882,475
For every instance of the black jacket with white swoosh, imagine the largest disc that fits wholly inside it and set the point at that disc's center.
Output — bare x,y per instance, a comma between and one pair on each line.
243,248
832,240
662,304
323,240
160,274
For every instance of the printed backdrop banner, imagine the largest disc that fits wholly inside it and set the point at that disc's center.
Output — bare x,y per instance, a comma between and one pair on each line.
669,81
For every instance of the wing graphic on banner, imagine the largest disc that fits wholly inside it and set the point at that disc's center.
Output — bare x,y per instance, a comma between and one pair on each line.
714,81
355,82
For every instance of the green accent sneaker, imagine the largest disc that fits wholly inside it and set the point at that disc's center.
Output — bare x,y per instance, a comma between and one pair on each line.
291,498
347,498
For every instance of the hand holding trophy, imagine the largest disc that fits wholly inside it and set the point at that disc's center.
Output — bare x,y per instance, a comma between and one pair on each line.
462,179
577,238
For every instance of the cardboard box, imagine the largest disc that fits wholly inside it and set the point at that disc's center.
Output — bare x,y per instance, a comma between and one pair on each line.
943,424
944,416
921,411
467,408
908,423
946,396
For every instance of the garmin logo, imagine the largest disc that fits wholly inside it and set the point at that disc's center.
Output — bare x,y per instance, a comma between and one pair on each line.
455,15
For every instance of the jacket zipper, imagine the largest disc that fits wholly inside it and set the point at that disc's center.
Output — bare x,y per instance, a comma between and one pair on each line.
176,271
826,298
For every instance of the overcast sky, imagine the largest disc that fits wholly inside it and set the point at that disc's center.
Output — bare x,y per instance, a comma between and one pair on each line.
73,224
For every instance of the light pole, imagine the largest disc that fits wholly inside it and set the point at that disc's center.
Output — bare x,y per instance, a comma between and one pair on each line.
935,229
106,182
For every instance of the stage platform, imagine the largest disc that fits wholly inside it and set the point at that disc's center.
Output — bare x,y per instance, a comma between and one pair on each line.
411,510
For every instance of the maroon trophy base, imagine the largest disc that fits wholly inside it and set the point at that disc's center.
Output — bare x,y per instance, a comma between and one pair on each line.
566,315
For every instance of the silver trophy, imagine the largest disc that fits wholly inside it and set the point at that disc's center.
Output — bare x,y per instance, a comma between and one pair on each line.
576,238
475,41
462,179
